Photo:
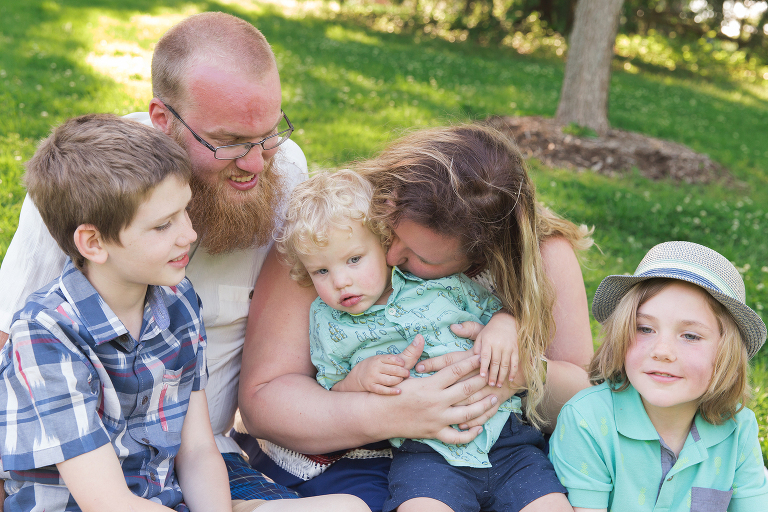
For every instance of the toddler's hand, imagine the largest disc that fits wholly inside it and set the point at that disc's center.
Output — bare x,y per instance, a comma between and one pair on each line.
497,345
377,374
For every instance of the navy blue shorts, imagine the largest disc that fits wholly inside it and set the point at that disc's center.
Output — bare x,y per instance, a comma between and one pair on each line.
520,474
245,483
364,478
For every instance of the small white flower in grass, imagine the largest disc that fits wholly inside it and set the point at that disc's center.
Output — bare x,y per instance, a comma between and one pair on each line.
703,213
44,113
678,208
764,269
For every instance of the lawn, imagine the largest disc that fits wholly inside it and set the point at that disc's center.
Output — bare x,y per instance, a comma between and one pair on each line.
349,87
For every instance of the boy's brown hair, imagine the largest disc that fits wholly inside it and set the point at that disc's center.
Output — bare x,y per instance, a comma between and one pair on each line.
97,169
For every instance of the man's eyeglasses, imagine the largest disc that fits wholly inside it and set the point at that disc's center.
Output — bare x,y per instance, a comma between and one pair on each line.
235,151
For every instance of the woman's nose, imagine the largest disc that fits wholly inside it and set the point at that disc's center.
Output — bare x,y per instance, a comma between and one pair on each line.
396,255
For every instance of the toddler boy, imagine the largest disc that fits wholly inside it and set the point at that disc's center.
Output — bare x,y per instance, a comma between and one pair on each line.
102,405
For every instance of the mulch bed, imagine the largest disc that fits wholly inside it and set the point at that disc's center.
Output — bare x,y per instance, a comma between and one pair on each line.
617,153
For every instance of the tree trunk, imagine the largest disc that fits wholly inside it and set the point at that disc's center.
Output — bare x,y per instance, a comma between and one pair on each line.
584,98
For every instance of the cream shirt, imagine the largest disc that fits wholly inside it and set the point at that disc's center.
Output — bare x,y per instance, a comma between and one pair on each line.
223,282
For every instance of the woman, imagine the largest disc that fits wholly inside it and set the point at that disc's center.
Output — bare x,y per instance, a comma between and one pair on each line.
456,199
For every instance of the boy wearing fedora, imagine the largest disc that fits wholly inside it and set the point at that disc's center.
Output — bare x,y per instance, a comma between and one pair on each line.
665,427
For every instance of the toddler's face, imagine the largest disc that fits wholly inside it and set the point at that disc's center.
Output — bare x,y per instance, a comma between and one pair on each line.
351,273
672,357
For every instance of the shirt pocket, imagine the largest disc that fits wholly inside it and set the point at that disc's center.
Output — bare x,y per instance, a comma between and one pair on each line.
173,402
231,307
709,500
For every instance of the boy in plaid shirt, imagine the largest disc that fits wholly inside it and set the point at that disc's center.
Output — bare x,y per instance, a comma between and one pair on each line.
102,405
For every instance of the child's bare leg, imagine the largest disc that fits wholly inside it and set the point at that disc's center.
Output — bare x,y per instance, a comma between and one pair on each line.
328,503
424,505
554,502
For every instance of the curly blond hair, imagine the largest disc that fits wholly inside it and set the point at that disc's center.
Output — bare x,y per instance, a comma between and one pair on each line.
326,201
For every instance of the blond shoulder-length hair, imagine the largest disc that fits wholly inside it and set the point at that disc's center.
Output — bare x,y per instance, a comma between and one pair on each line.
729,386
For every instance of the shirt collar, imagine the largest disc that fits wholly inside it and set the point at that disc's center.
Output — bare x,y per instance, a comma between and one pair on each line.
632,421
98,318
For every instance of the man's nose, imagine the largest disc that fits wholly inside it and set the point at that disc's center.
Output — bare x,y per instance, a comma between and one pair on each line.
253,161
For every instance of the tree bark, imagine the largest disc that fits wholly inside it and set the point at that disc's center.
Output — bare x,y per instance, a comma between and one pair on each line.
584,97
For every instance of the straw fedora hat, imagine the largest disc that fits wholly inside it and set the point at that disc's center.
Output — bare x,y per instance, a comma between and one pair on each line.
695,264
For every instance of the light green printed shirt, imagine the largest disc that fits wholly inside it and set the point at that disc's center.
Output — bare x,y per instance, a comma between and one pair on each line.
339,341
608,455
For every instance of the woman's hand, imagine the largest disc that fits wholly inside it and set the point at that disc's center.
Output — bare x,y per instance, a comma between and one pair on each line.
481,395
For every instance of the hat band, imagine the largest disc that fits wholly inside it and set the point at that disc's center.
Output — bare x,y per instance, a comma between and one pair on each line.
691,271
684,275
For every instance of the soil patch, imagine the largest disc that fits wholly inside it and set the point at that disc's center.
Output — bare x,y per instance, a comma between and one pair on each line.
617,153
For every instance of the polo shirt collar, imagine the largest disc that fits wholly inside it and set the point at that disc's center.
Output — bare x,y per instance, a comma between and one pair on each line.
98,318
633,422
631,419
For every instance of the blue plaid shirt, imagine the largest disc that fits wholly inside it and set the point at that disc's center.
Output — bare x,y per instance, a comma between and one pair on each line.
74,379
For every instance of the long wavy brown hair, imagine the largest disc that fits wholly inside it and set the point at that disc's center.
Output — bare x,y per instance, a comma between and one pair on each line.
470,182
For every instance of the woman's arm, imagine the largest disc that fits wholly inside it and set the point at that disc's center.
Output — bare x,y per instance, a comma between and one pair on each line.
573,336
280,400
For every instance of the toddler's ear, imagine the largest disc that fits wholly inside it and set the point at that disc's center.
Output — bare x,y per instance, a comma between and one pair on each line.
89,243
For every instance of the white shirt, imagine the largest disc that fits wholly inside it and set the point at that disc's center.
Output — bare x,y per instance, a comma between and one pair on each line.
223,282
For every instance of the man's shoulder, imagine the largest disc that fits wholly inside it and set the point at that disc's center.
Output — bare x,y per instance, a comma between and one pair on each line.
142,117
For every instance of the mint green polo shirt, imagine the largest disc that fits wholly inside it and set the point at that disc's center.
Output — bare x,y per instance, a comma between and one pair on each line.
608,455
339,341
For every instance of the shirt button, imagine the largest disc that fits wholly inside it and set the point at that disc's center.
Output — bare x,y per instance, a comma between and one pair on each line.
153,477
391,311
144,400
670,479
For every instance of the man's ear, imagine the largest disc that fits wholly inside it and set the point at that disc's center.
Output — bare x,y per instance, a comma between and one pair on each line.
90,244
160,116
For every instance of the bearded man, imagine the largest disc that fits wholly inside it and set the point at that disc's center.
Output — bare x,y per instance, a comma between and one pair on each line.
217,93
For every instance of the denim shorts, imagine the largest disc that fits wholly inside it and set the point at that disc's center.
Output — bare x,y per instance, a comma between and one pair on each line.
520,473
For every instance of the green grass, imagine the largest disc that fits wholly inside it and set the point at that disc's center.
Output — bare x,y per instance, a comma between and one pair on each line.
349,88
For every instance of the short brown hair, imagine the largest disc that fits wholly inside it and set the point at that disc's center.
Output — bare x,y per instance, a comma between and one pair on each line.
208,37
729,385
324,202
97,169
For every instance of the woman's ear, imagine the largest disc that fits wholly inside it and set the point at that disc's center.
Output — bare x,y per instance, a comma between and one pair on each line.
90,244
